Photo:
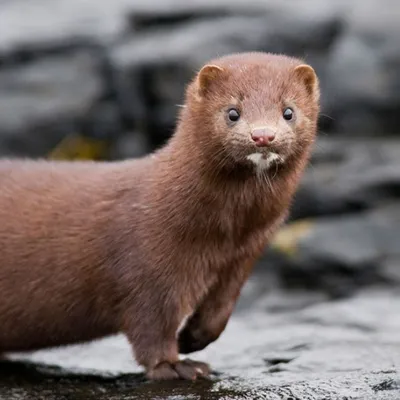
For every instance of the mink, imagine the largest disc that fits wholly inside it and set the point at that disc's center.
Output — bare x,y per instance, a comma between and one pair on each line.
158,247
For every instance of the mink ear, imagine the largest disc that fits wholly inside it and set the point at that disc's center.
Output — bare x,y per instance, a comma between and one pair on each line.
206,75
307,74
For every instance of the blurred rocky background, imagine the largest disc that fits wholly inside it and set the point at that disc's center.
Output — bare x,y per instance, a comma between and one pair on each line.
104,79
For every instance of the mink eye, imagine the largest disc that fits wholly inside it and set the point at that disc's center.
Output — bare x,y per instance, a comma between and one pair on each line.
233,114
288,114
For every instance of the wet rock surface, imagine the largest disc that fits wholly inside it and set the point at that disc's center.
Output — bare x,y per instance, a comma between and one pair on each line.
304,347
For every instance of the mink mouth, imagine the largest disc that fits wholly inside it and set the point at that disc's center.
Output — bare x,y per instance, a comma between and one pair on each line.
264,161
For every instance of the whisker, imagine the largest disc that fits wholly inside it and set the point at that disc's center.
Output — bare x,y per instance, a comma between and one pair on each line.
276,171
327,116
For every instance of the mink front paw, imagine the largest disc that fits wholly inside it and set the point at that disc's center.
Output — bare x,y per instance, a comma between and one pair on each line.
185,369
190,341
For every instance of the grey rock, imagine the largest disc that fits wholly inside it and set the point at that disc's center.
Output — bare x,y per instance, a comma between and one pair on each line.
390,268
41,101
46,23
130,145
362,83
155,47
349,175
339,254
345,240
326,350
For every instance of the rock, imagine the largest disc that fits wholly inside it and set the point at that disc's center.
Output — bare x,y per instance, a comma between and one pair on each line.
347,176
130,145
338,254
59,23
154,48
325,350
42,101
390,269
361,78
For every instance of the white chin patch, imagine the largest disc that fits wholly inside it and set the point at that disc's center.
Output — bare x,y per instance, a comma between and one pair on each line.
263,162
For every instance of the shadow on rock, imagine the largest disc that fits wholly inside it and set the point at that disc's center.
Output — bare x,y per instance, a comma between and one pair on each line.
26,381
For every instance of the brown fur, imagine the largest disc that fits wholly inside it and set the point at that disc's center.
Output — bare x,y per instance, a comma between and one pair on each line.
90,249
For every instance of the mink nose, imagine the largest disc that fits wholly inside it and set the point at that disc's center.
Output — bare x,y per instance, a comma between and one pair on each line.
262,136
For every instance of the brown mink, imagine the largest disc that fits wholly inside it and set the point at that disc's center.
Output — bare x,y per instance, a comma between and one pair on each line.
159,247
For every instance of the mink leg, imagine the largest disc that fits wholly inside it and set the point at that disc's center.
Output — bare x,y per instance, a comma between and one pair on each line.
154,341
210,319
204,327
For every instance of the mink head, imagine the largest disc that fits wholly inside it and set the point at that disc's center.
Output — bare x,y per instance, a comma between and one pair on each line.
254,109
